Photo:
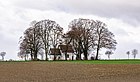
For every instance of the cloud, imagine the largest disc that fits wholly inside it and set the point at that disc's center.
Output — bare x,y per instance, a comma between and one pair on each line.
126,10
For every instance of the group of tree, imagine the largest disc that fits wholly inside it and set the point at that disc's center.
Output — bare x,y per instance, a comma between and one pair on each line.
134,52
83,35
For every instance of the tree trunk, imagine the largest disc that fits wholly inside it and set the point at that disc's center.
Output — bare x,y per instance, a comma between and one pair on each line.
78,56
46,50
85,55
79,53
25,58
35,56
31,54
2,58
98,48
54,57
108,56
66,51
46,53
96,58
72,58
65,55
134,56
54,54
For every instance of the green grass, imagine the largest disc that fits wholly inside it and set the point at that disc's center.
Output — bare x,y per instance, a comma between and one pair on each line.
103,61
122,61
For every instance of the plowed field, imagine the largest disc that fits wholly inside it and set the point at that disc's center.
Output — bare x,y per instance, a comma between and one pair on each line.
68,72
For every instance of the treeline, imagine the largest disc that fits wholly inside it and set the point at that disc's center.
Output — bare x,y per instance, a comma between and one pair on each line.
83,34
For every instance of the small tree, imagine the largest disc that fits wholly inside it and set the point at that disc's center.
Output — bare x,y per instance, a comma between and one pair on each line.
128,53
134,52
2,54
108,53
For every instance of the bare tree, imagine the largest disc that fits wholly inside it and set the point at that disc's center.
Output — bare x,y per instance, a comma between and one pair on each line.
128,53
81,32
30,43
134,52
56,36
108,53
50,32
89,34
2,54
74,36
104,38
41,35
25,47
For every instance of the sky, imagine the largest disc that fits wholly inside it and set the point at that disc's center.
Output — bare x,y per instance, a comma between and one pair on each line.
121,16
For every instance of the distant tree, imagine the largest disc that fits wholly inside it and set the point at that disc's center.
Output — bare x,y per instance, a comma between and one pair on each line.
134,52
108,53
2,54
128,53
103,38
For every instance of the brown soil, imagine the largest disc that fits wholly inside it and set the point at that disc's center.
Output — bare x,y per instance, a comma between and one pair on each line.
67,72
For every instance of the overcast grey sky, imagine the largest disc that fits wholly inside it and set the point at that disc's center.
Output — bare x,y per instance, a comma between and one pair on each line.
121,16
